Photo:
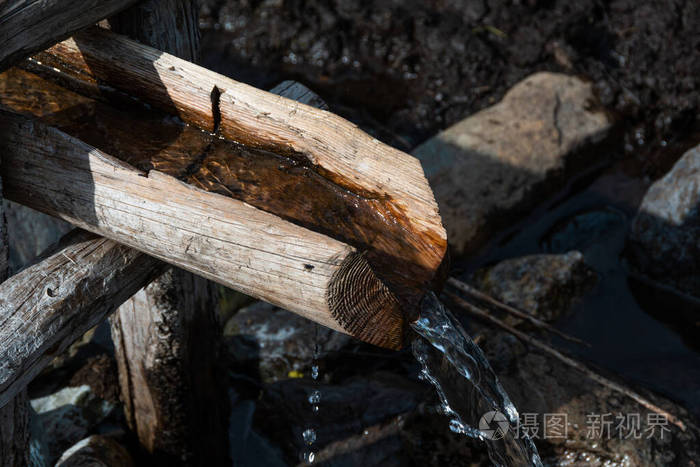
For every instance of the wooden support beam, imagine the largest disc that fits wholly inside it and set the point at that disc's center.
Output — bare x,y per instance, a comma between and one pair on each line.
168,337
47,306
28,26
14,415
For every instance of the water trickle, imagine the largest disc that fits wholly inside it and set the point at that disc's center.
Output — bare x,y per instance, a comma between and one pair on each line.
467,387
315,397
309,435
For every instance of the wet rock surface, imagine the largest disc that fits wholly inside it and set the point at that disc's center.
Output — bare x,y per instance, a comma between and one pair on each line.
602,427
69,415
664,242
96,451
496,165
545,286
277,344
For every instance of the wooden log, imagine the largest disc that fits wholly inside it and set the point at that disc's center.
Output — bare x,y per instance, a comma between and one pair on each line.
28,26
168,337
47,306
220,238
14,415
167,344
412,243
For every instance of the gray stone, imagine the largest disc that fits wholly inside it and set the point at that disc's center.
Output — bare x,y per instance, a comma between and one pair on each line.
96,451
69,415
544,285
280,343
665,237
497,163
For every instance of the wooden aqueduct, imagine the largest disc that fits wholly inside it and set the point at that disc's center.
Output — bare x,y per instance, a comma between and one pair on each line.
107,122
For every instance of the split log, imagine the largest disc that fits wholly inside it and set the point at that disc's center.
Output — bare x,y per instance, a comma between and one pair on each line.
28,26
47,306
412,243
168,337
360,270
14,416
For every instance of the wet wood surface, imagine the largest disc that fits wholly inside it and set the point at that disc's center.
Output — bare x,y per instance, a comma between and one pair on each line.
28,26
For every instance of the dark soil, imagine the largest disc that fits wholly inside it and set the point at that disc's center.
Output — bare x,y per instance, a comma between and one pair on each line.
404,69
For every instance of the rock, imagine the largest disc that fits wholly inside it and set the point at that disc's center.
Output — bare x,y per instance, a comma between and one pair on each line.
276,342
664,242
539,385
497,163
69,415
544,285
29,233
96,451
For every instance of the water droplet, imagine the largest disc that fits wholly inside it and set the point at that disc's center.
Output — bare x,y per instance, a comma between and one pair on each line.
314,371
309,436
315,397
314,408
309,457
456,426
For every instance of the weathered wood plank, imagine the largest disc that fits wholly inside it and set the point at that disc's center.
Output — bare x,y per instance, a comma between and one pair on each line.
27,26
48,305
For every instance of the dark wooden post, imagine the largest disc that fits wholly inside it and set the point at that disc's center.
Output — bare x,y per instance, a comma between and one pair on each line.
167,337
14,416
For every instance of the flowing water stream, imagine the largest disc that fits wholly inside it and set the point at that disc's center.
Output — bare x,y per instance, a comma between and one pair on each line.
468,388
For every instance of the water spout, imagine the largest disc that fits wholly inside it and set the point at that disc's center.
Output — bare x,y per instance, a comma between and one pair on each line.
467,386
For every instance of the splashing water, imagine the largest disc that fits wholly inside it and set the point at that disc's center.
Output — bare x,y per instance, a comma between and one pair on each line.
469,391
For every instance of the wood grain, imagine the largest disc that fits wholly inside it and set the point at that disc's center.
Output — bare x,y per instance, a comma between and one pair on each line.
28,26
208,234
47,306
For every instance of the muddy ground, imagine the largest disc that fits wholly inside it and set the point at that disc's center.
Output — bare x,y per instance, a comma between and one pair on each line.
405,69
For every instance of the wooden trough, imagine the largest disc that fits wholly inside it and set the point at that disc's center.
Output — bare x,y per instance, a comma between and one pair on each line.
277,199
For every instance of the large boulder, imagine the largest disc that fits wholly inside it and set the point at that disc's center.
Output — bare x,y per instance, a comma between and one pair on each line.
497,163
664,241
